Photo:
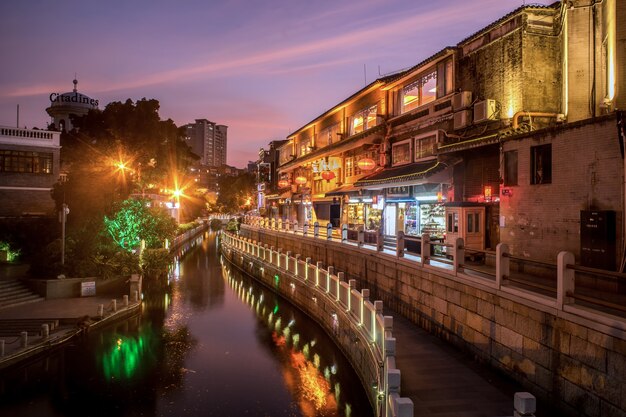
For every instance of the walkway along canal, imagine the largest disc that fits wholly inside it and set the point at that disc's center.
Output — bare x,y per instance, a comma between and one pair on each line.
210,344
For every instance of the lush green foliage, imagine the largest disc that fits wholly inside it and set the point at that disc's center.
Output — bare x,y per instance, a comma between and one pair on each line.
12,252
135,221
233,225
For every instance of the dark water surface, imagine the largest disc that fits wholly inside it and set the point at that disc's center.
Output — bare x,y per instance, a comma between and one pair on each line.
209,345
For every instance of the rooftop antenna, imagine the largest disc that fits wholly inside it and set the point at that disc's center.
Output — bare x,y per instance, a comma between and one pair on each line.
75,83
379,74
364,74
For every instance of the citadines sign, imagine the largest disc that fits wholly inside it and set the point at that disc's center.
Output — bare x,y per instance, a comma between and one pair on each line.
72,98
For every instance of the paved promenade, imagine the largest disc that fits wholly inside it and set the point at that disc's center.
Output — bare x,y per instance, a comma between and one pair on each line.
73,315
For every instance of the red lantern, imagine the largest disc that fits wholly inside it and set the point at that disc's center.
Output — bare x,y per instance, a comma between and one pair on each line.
300,180
328,175
283,183
366,164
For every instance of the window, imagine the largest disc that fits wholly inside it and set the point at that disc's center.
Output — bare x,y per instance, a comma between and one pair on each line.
351,168
453,222
303,146
401,153
328,136
425,146
26,162
510,168
473,222
363,120
541,164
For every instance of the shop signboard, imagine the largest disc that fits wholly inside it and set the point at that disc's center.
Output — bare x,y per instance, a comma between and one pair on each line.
399,192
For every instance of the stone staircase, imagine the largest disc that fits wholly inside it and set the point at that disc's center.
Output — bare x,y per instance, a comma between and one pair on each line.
13,292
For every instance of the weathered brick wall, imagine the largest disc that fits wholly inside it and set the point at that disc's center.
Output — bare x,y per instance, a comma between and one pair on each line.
587,174
576,363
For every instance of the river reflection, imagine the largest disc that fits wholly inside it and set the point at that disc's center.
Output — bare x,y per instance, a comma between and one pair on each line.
207,344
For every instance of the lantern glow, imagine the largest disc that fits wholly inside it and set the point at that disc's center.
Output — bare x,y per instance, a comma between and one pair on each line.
328,175
283,183
366,164
300,180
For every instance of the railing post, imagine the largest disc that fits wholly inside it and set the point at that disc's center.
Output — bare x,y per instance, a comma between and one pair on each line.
280,224
344,232
524,404
400,244
565,278
380,238
425,256
503,263
295,226
273,223
361,237
305,229
278,253
318,266
329,231
458,253
287,225
316,229
297,260
307,262
287,256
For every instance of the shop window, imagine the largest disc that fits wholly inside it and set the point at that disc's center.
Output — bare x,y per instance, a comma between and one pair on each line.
401,153
510,168
425,146
541,164
364,119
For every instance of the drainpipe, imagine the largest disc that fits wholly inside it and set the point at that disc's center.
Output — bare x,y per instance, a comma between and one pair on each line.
529,114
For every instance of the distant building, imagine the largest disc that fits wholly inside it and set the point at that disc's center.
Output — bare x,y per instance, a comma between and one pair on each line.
63,105
208,140
29,167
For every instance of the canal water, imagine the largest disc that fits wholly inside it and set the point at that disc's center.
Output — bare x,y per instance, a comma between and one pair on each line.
211,344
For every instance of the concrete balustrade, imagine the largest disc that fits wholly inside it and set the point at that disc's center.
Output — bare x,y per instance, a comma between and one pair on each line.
364,318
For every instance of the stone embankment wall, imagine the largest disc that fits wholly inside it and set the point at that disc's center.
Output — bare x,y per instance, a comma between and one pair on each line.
572,356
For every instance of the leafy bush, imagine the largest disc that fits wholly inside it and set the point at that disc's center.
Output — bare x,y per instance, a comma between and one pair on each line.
216,224
155,263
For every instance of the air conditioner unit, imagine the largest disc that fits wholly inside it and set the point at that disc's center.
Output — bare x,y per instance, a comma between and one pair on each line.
461,100
462,119
485,110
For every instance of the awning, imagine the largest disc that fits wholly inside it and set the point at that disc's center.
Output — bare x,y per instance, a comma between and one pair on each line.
286,194
411,174
347,189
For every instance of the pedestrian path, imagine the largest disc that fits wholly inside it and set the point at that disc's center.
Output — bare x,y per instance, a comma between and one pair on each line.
70,316
445,382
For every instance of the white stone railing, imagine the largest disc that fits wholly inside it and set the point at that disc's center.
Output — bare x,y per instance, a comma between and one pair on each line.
17,135
365,317
498,277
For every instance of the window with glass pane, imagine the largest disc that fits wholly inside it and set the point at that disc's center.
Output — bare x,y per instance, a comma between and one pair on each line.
364,119
510,168
419,92
541,164
25,162
425,146
328,135
453,222
401,153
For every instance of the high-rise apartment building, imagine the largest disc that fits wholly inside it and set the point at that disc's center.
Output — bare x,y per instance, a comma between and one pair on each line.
208,140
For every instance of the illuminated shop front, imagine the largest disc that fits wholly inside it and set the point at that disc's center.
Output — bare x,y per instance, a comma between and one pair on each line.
415,210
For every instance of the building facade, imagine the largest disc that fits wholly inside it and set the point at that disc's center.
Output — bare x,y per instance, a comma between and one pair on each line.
29,167
478,140
208,140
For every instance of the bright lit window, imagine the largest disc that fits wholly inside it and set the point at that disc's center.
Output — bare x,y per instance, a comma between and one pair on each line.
401,153
364,119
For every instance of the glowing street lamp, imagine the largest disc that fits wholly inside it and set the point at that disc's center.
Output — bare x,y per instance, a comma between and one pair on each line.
177,193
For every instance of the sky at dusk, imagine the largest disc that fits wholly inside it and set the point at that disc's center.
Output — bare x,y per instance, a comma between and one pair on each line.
263,68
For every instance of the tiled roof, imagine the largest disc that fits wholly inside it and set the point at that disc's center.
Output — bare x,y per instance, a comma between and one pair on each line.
402,174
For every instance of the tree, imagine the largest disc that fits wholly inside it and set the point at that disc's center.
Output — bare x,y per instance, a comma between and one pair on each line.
135,221
236,193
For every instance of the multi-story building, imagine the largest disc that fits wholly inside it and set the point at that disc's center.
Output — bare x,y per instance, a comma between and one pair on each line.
207,140
482,140
269,201
29,167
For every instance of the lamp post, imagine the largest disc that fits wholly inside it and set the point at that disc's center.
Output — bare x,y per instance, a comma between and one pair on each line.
177,194
65,210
